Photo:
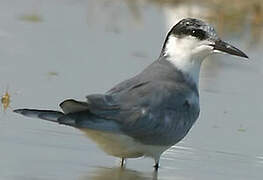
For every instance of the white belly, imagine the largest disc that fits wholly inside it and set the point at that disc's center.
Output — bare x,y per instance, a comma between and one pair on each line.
123,146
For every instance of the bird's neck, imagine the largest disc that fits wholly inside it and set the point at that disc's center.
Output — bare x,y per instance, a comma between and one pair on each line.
189,66
180,55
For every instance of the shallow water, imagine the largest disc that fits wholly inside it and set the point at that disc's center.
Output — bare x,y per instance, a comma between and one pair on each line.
53,50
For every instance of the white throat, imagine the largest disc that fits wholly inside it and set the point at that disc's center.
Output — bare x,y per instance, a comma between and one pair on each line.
187,55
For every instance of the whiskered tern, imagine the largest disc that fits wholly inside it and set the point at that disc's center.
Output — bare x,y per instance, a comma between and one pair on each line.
150,112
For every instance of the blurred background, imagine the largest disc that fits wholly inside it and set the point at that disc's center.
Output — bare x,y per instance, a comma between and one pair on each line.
51,50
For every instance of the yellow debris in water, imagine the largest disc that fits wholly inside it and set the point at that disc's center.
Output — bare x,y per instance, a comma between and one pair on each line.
35,18
53,73
241,130
5,100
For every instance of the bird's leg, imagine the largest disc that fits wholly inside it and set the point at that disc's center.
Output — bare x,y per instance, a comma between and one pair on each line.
156,160
155,175
156,166
122,162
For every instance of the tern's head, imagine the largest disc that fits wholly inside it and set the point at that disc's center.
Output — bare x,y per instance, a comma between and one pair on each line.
189,42
193,38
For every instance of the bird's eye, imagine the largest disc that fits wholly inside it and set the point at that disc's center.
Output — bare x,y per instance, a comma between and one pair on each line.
200,34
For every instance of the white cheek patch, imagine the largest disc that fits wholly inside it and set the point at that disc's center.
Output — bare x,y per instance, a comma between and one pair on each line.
187,54
178,47
187,46
203,49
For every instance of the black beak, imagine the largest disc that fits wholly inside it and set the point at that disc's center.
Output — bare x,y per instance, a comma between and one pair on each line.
227,48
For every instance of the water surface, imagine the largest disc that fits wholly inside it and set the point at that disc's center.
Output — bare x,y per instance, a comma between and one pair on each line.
53,50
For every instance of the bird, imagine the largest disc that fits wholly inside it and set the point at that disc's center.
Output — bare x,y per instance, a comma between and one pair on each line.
152,111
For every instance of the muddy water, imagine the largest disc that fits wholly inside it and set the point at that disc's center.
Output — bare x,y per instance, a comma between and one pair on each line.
53,50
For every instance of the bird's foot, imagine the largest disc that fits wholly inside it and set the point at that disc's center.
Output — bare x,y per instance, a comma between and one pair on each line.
156,166
122,162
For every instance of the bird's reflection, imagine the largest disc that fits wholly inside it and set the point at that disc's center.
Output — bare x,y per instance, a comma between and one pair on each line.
118,173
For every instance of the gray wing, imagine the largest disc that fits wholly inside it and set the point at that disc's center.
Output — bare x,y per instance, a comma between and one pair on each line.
150,112
151,107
